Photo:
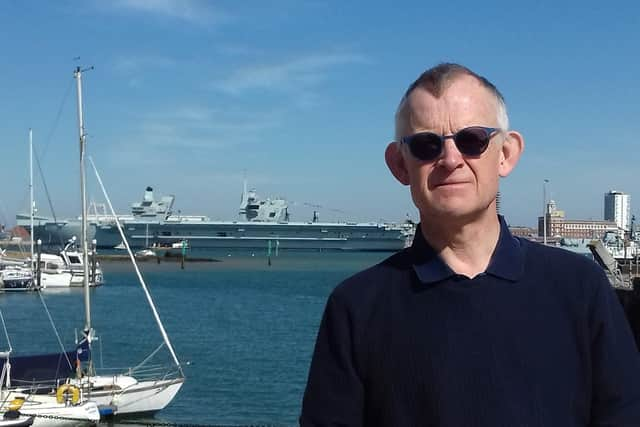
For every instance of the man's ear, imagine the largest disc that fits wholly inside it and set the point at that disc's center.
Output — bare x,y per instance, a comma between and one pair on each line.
396,162
511,150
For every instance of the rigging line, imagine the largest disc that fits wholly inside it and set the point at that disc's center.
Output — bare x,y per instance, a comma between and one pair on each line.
54,126
153,353
6,366
6,334
56,121
163,332
46,190
46,309
3,214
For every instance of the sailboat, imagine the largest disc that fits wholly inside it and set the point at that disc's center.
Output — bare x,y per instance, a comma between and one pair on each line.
55,270
142,389
146,252
29,392
24,392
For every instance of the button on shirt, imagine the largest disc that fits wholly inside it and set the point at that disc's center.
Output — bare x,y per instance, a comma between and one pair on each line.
538,340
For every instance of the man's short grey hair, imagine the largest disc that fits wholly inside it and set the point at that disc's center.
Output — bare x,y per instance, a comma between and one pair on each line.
437,79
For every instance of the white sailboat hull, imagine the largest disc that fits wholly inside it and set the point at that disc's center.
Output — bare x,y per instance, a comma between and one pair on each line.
126,395
49,413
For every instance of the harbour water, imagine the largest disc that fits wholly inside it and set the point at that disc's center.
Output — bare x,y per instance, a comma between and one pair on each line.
244,330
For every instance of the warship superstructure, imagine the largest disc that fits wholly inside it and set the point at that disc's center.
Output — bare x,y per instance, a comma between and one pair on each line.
264,223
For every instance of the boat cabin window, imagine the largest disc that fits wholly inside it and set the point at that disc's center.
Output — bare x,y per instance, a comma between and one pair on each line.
74,259
50,266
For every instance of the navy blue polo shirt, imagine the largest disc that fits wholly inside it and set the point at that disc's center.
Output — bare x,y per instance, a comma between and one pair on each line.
538,340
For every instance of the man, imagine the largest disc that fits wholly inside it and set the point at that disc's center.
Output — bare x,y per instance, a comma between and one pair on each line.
470,326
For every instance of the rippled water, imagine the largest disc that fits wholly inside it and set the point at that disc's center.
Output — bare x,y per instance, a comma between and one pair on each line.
244,330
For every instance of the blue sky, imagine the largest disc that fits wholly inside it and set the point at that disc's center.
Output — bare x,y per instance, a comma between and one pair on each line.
189,96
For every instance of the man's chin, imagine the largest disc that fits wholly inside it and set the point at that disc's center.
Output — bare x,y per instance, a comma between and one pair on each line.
451,213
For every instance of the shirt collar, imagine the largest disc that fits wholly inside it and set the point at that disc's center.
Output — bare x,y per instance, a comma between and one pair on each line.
507,261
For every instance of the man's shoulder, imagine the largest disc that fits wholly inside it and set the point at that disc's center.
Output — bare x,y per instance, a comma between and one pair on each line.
543,259
373,280
539,250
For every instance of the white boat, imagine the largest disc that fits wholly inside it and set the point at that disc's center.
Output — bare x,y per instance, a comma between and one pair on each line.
14,278
53,272
146,253
15,275
35,406
145,388
66,269
46,411
61,270
122,394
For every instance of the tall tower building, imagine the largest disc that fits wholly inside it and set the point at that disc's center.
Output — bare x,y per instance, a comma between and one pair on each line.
617,208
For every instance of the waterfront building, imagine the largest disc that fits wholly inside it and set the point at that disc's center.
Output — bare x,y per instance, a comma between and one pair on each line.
559,226
522,231
554,217
617,208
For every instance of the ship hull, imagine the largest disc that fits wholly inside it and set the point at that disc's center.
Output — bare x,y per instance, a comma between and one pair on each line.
53,233
234,234
251,235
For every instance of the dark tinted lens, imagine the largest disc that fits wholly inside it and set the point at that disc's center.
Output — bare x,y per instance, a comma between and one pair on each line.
425,146
472,141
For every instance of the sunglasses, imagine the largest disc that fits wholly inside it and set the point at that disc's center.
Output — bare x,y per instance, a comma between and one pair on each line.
471,142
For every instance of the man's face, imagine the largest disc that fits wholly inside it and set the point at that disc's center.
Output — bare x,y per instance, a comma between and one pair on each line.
452,187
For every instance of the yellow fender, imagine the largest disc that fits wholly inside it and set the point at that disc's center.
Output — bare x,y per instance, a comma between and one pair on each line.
16,403
63,392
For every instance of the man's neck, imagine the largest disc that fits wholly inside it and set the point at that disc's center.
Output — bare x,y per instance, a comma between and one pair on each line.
465,247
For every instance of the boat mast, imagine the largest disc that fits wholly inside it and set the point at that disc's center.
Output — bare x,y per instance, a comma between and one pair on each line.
83,230
31,202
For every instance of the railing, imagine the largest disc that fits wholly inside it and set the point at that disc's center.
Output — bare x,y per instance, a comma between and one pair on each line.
144,373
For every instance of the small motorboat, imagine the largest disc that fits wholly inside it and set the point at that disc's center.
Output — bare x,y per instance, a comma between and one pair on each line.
146,253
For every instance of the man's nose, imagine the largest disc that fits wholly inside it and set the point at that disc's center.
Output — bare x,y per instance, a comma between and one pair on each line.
450,158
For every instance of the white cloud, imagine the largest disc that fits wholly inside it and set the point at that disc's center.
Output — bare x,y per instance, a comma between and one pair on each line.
306,71
193,11
193,127
131,64
212,120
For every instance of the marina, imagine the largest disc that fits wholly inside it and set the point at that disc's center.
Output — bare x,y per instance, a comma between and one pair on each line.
66,384
243,146
244,330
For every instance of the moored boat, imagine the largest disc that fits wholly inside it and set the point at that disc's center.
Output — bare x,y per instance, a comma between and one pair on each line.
141,389
15,278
